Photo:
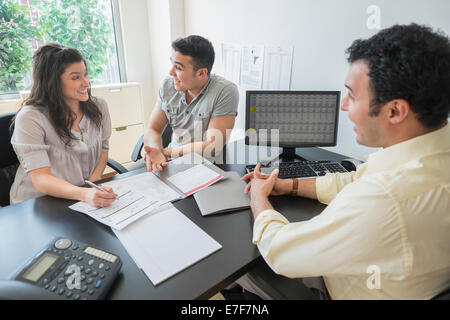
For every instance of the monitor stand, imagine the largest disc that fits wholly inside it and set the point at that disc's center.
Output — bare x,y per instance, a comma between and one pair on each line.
288,155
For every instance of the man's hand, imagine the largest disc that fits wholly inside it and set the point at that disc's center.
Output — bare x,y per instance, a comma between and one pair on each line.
261,186
154,159
280,186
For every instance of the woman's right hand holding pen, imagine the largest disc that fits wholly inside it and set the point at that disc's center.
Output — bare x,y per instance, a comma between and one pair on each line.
99,198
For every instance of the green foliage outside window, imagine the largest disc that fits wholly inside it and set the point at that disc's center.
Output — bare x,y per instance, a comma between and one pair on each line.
15,50
83,25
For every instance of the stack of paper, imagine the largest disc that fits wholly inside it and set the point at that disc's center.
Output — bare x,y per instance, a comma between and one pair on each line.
166,242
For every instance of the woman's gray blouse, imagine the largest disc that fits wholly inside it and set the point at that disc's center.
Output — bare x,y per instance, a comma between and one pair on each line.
37,145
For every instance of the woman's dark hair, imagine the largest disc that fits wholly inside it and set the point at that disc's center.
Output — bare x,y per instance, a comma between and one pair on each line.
409,62
199,49
49,63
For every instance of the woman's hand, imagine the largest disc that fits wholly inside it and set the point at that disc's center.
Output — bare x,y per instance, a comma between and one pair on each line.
99,198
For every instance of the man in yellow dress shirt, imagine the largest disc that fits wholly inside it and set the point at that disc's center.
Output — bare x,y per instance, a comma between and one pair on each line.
391,217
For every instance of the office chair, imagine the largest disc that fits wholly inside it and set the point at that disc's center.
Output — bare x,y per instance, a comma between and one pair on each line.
9,162
116,166
282,288
445,295
279,287
165,137
8,159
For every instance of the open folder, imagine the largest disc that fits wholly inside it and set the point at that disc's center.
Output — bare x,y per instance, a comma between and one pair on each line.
141,194
189,174
225,196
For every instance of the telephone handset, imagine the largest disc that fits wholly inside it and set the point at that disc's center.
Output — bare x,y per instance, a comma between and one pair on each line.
19,290
64,269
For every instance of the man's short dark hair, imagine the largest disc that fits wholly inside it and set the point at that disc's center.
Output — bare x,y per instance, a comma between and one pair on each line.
198,48
409,62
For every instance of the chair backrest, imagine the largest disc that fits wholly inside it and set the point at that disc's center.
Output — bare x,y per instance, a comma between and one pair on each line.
166,137
8,159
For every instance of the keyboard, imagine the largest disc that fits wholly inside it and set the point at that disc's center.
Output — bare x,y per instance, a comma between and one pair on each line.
302,169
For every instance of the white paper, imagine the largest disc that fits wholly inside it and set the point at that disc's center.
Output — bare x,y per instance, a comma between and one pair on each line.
252,66
137,196
147,184
277,67
194,179
231,61
165,243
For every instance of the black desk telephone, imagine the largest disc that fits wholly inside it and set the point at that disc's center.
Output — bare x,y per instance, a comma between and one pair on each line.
64,269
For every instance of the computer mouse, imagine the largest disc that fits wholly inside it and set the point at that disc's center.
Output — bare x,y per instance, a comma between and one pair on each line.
350,164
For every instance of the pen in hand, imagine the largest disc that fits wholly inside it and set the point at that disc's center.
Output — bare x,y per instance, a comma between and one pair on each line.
99,199
93,185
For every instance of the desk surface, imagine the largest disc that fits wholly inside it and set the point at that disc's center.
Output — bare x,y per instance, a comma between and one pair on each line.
28,226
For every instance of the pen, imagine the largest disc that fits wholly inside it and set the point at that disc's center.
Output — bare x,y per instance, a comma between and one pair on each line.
93,185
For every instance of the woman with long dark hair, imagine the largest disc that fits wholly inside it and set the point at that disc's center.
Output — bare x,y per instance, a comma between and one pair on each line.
61,132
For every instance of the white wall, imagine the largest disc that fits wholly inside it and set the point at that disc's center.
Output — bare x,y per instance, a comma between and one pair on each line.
320,31
165,24
136,43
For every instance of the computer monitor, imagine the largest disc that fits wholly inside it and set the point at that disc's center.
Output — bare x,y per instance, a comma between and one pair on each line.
303,118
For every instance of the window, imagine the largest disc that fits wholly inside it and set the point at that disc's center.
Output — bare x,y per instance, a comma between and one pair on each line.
25,25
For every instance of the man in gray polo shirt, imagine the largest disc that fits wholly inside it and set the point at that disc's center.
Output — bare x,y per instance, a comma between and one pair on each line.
199,106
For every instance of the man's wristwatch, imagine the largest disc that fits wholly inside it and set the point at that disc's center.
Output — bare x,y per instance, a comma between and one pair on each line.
294,190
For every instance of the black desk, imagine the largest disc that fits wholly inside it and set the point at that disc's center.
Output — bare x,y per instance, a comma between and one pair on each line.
26,227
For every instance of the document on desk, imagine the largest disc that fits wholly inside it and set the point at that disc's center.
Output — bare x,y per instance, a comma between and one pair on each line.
194,179
147,184
166,242
142,193
137,196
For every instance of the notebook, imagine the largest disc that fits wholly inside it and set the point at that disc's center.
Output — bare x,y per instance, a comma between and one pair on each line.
165,242
226,195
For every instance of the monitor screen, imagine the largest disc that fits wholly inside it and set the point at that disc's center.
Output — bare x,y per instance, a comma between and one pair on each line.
303,118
